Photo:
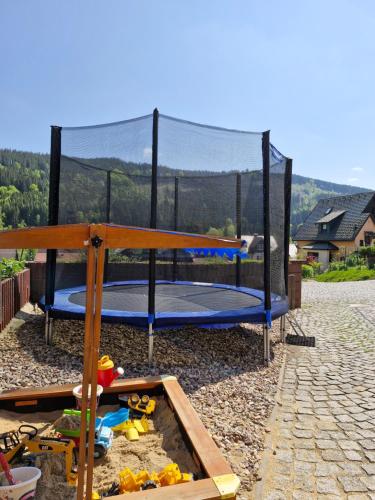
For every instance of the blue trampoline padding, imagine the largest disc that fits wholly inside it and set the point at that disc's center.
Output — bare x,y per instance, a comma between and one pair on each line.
64,307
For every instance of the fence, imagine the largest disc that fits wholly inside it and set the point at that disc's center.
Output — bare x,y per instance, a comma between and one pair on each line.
14,294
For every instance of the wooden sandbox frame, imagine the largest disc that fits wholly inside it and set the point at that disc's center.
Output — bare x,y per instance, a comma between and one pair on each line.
220,482
96,239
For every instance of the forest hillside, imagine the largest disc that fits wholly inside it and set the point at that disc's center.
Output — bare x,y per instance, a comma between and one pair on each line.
24,189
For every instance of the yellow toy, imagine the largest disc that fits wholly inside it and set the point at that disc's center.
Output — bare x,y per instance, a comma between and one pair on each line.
143,405
14,444
130,482
171,474
132,428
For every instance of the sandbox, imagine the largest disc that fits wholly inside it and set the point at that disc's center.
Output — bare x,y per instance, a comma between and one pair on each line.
176,435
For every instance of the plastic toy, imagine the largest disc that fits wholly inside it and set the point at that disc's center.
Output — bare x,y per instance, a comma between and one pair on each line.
130,482
171,474
15,443
103,434
143,405
112,419
144,480
8,474
132,428
106,372
77,393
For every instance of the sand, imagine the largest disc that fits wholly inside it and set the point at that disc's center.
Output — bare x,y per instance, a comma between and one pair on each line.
161,446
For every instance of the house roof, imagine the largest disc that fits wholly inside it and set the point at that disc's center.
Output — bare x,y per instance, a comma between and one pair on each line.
320,245
331,215
343,227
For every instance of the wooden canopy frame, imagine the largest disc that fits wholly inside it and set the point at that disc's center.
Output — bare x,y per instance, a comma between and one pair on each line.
96,238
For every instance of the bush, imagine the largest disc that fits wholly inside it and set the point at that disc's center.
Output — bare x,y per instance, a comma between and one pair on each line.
10,267
307,271
355,260
367,251
369,254
337,265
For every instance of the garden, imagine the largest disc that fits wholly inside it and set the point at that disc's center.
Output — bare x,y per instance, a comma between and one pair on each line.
358,266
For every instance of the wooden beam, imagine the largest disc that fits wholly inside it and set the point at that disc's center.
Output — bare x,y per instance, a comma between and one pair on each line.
56,391
75,236
136,237
68,236
208,453
204,489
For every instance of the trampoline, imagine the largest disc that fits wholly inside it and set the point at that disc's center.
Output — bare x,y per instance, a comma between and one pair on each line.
178,303
160,172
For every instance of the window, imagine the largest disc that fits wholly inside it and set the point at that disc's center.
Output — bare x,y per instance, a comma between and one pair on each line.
328,211
324,227
361,243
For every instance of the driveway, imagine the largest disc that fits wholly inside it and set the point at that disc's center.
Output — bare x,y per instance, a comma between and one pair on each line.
322,433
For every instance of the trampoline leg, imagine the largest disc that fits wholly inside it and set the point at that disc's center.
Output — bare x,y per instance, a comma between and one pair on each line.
150,343
266,342
48,332
282,329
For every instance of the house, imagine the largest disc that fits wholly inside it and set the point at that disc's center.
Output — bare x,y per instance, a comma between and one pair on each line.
337,226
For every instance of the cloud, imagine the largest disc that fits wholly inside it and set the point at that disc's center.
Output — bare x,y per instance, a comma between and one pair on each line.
147,153
351,180
357,169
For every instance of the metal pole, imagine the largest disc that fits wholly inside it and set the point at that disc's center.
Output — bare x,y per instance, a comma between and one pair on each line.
53,219
287,202
267,240
175,226
153,222
239,228
108,220
266,344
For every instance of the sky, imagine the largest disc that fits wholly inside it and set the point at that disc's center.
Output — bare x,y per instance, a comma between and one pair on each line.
303,69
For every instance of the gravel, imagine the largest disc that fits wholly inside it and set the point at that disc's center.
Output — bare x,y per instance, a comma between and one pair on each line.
221,371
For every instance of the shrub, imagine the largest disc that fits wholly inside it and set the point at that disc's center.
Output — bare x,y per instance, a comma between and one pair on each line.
10,267
307,271
336,265
316,267
367,251
355,260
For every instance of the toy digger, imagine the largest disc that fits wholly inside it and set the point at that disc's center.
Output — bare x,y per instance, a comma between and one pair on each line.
144,480
141,405
14,444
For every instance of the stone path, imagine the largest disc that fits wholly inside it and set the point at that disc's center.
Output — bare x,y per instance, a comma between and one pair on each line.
322,439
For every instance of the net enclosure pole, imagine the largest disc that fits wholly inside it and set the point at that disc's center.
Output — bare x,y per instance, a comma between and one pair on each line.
53,219
287,202
238,226
153,221
175,226
107,219
267,243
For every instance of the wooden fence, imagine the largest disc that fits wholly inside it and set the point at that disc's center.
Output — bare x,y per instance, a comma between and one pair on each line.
14,294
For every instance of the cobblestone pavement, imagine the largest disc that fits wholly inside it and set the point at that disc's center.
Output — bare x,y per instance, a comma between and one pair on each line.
322,437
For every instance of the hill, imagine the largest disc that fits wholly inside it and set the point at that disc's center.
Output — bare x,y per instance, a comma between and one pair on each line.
24,189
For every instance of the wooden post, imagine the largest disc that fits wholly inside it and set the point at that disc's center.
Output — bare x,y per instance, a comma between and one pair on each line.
98,240
90,292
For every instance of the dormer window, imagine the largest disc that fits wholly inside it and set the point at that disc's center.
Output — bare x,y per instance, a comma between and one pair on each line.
328,211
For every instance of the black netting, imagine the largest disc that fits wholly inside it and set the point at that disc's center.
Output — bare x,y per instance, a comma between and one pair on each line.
209,181
277,220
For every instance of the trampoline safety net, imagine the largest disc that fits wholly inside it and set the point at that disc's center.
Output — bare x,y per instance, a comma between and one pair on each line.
158,171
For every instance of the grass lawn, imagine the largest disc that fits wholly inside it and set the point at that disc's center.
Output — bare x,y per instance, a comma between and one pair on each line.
351,274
